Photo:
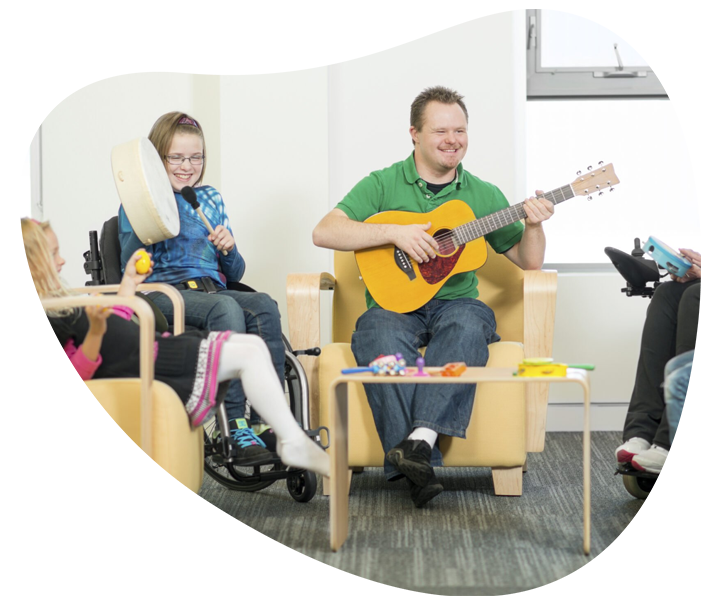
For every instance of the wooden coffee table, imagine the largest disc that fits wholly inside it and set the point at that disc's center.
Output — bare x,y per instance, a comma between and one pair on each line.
339,482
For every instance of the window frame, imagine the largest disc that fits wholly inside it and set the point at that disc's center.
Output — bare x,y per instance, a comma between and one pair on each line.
31,135
582,82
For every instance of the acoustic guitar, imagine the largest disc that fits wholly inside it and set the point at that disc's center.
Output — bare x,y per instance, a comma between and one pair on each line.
400,284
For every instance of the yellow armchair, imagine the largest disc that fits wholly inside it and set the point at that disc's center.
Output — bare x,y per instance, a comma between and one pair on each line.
507,421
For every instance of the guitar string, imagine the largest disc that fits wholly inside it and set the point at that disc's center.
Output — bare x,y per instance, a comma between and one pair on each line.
496,219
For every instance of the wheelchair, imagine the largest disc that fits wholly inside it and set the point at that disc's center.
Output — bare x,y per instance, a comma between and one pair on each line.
642,277
102,263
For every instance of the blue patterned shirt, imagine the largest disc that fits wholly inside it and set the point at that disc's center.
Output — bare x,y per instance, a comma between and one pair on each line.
189,255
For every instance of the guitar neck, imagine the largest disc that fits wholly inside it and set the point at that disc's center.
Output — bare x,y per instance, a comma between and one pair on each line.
481,227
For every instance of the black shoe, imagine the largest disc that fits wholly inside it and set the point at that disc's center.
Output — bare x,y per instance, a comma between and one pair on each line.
422,495
412,459
249,450
269,439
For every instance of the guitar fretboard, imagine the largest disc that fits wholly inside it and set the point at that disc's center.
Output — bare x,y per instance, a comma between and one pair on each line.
481,227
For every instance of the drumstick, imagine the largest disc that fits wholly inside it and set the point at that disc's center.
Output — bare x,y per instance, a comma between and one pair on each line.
191,198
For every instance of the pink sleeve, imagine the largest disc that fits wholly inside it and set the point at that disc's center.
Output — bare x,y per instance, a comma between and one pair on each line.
123,311
83,365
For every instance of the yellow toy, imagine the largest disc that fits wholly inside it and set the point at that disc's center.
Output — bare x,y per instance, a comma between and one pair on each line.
142,264
545,367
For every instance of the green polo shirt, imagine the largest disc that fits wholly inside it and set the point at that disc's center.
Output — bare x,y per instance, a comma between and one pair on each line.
399,187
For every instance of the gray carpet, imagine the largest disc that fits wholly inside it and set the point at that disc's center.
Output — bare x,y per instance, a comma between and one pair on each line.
467,541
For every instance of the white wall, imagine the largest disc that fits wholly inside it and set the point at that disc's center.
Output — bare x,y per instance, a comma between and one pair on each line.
77,136
284,149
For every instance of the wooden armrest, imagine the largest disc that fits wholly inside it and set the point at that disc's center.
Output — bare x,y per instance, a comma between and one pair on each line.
303,305
170,291
540,293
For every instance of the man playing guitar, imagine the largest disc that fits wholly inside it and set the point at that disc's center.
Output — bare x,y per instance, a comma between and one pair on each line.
453,325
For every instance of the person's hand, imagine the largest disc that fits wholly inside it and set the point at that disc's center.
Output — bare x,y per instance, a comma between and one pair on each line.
131,278
694,271
413,240
537,209
98,316
222,239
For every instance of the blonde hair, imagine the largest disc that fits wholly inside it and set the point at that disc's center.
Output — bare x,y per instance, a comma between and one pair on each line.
42,267
164,130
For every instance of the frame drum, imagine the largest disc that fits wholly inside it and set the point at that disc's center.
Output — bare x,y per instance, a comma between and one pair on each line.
145,191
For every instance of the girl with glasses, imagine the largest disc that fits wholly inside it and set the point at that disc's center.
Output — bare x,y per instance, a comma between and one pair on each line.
205,267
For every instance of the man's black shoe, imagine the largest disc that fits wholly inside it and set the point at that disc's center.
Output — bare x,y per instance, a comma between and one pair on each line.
422,495
412,459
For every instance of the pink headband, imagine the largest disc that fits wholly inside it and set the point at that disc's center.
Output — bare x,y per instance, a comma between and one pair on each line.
188,121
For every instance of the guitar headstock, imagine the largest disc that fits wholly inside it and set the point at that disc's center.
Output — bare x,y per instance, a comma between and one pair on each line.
595,180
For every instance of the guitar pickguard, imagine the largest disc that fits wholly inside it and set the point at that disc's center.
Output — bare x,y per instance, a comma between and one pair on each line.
440,267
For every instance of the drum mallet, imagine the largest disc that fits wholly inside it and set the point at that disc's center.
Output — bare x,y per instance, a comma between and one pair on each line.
190,197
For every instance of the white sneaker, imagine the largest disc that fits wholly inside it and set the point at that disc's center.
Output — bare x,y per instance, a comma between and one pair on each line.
629,449
652,460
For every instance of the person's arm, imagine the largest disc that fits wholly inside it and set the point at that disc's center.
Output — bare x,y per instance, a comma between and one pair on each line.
97,316
131,278
337,231
232,264
529,252
83,365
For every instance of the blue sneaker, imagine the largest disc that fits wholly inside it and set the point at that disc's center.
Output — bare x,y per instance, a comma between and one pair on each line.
249,448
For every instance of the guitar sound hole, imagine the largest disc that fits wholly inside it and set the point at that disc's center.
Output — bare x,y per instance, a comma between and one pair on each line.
445,241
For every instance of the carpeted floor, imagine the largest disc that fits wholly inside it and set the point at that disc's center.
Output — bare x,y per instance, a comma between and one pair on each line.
467,541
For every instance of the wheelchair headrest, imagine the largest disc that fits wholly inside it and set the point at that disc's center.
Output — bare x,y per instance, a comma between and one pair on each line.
110,251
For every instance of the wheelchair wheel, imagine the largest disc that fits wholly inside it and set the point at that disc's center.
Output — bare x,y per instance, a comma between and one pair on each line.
302,486
640,487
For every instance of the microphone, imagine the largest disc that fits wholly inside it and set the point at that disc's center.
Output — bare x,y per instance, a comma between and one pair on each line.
190,197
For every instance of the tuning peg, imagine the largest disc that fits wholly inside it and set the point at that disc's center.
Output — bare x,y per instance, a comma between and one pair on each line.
589,197
611,190
590,168
578,173
601,163
600,193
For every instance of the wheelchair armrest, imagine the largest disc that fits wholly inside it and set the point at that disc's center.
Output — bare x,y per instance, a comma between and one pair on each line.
163,288
303,306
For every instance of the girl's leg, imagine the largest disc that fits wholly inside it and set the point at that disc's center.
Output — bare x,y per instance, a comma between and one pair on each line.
247,357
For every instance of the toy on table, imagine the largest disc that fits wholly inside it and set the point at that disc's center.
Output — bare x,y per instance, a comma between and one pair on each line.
390,364
420,364
545,367
395,365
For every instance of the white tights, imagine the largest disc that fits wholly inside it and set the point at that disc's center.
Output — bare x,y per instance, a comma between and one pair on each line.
247,357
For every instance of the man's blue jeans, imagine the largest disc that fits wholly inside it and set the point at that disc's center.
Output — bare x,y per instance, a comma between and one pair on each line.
242,312
453,331
677,378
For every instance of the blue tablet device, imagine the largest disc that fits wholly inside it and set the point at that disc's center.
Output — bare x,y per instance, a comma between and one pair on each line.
666,257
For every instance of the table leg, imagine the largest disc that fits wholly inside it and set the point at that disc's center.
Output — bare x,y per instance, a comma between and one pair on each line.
339,466
586,472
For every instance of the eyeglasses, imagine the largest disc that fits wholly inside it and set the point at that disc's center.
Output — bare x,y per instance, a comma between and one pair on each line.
177,159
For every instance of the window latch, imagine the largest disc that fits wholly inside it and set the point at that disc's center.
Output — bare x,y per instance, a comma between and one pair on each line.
619,71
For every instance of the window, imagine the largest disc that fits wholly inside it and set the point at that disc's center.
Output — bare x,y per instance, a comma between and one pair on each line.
571,57
30,175
589,101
